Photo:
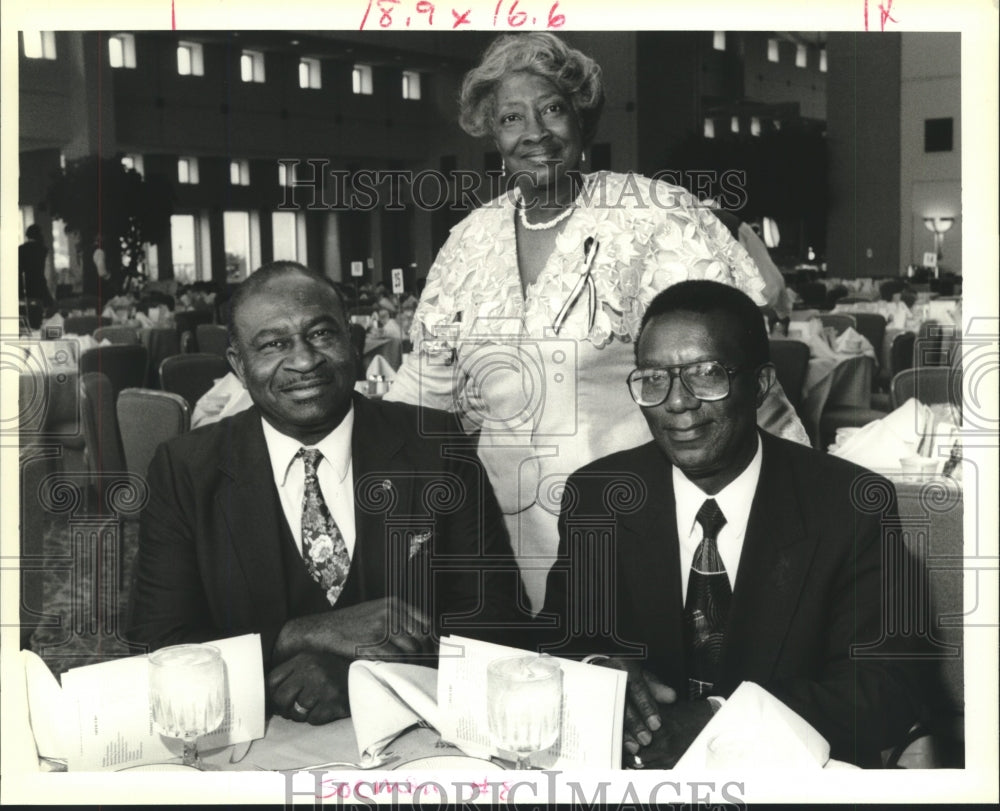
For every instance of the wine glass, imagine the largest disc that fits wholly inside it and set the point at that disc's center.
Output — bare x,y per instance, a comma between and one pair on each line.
187,694
524,704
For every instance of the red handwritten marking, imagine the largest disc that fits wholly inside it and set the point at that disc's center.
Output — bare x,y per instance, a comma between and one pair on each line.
365,18
496,13
559,20
173,16
885,14
460,20
424,7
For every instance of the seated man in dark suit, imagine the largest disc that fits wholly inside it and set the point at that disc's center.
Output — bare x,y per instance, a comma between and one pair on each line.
333,526
737,556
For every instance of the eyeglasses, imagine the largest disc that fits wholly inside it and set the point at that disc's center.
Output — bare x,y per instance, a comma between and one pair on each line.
707,380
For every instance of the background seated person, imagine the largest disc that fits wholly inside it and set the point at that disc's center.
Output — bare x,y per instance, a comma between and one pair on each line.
737,555
316,518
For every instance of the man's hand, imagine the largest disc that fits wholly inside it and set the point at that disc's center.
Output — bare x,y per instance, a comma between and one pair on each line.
386,628
644,694
680,724
310,687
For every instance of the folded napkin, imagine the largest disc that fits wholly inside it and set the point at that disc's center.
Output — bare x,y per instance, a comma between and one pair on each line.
754,730
819,348
380,366
852,342
387,698
881,444
46,708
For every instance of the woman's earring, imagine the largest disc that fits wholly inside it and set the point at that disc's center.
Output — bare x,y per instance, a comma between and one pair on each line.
583,156
503,166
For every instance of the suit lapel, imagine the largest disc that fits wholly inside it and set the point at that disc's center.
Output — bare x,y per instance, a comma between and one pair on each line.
253,514
650,560
383,488
776,555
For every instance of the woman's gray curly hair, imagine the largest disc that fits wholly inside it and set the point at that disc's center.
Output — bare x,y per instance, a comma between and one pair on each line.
576,75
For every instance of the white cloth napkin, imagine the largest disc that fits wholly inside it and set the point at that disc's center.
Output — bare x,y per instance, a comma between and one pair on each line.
881,444
388,698
46,708
852,342
754,730
380,366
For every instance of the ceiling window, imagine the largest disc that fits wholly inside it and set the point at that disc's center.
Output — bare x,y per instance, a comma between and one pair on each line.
252,66
187,170
121,50
411,84
39,44
772,50
719,40
361,80
239,173
190,59
309,74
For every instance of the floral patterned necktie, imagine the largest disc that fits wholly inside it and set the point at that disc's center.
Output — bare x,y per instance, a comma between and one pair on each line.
707,604
323,547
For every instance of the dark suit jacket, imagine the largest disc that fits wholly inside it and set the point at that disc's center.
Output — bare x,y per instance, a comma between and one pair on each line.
217,558
811,583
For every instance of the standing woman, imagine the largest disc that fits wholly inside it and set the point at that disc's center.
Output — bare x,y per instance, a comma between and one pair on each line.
531,307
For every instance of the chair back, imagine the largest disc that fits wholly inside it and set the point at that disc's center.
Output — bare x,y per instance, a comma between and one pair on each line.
146,419
872,327
929,384
102,440
124,364
212,338
187,322
117,334
839,321
901,352
191,375
84,324
791,362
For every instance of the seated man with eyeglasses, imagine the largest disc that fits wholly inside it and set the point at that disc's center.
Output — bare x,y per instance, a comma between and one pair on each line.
717,553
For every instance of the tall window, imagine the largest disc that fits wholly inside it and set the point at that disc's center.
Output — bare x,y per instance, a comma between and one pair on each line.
252,66
241,239
289,235
361,80
734,124
133,160
719,40
121,50
190,59
801,56
239,173
709,131
187,170
772,50
39,44
755,126
309,73
184,247
822,60
411,85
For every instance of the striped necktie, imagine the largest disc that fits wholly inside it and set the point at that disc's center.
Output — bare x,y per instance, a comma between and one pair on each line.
707,605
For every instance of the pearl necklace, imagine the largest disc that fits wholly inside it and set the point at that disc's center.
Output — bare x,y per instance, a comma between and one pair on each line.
544,226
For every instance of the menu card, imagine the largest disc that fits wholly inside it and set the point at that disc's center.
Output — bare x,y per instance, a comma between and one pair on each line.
109,723
593,709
